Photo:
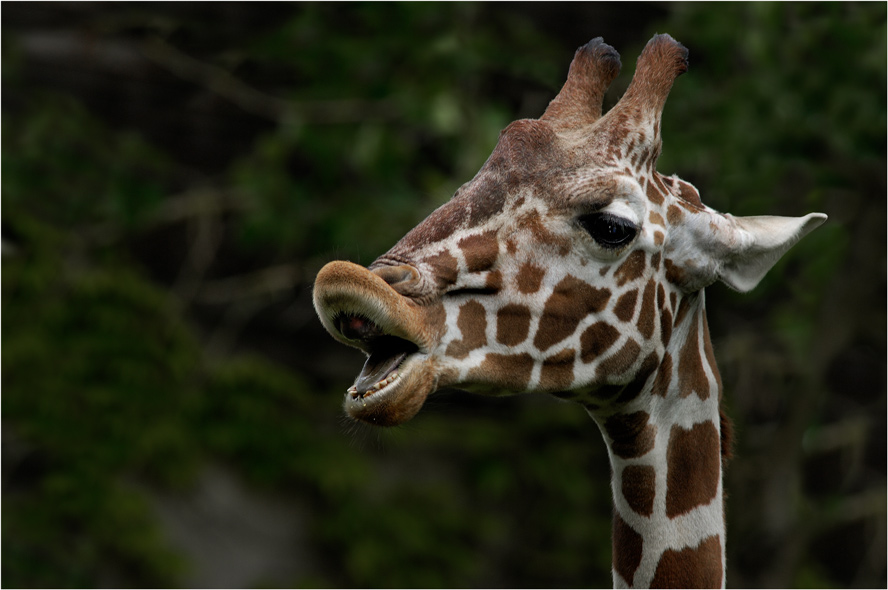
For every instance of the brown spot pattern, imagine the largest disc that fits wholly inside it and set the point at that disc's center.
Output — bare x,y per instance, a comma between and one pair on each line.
638,485
631,269
631,434
472,324
444,268
480,251
691,567
653,195
659,238
647,368
660,185
665,326
494,281
509,370
710,356
596,339
625,307
664,376
621,361
570,302
512,324
694,467
655,261
674,215
529,278
532,223
656,218
627,548
647,315
674,273
691,375
689,194
558,370
683,308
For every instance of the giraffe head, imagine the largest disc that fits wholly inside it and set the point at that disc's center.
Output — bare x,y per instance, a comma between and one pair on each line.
560,267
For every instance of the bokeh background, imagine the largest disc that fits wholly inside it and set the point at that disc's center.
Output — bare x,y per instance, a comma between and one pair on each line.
174,175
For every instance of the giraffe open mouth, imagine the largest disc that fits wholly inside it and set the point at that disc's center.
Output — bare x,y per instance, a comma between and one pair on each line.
360,309
386,354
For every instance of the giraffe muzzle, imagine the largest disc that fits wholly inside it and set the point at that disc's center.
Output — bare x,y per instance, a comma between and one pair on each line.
360,308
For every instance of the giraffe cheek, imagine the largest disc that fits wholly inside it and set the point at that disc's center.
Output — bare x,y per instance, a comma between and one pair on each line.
558,371
509,371
512,324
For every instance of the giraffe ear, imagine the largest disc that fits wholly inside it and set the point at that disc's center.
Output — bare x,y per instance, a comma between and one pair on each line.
758,244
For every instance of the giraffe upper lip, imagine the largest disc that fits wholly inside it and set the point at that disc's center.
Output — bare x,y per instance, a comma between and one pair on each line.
358,308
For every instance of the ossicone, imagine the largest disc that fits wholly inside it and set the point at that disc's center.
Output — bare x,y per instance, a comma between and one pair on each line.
635,119
594,67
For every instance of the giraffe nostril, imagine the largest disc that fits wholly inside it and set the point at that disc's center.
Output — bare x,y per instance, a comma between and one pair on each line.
397,276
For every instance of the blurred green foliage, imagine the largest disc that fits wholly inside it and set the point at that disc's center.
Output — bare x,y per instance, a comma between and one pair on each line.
412,129
372,115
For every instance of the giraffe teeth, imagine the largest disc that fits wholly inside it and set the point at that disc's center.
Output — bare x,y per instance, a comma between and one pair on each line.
375,387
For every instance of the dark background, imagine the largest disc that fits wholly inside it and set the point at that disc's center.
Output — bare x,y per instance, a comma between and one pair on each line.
173,177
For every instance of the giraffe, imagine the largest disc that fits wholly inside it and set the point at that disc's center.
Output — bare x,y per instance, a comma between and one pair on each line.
569,265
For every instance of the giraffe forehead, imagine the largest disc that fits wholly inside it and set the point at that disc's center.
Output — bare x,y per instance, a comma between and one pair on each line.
530,162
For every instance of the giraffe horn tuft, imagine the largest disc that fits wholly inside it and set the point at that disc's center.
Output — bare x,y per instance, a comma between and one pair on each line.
594,67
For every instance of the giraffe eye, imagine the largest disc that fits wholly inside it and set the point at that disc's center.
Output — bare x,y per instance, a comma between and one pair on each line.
608,230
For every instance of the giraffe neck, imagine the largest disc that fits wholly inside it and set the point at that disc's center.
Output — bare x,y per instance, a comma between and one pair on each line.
665,453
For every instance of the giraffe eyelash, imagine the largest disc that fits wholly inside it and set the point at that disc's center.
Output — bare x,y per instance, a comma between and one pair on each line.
608,230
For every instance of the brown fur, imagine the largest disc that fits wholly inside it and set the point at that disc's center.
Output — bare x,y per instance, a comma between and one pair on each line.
632,434
444,268
627,549
625,307
638,483
510,370
647,368
512,324
689,194
655,197
529,278
621,361
596,339
694,468
674,215
691,375
558,370
632,268
472,324
691,567
664,376
480,251
647,317
570,302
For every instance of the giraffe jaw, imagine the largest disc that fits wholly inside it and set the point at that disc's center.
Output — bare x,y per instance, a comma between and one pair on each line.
396,398
360,309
